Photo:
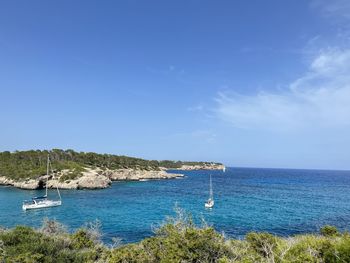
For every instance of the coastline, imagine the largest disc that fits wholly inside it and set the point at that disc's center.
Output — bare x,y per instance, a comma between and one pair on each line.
97,178
209,166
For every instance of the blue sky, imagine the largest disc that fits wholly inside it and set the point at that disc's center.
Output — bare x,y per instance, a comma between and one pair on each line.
247,83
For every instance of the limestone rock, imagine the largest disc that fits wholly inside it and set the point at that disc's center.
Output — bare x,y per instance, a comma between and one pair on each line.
136,175
207,166
29,184
91,178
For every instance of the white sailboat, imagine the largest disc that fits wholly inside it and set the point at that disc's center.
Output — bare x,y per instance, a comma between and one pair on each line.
42,201
210,201
224,169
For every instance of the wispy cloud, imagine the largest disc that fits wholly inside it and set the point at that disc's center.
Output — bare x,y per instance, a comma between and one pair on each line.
336,9
319,99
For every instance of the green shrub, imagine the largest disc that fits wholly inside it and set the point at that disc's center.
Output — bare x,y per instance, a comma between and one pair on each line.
131,254
177,240
24,244
329,231
262,243
80,239
342,249
306,248
328,251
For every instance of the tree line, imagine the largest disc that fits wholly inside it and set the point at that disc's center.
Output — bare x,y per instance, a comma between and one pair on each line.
32,163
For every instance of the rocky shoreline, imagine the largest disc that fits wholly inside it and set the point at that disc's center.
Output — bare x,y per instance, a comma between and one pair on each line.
96,178
90,179
207,166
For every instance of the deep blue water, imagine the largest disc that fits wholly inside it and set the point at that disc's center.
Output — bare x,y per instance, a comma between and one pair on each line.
280,201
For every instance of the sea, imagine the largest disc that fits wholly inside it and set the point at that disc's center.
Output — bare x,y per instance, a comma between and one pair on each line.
280,201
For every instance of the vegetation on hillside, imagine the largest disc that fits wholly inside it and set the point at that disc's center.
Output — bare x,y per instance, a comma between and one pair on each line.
31,164
179,240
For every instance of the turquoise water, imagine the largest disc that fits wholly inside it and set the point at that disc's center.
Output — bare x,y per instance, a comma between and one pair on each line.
279,201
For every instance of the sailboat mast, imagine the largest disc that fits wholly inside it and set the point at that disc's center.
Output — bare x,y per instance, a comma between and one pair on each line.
47,172
210,189
58,191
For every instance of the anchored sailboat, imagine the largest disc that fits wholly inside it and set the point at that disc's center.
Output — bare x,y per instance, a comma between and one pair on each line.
43,201
224,169
210,201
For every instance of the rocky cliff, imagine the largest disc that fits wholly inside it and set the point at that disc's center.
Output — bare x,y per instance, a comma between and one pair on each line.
96,178
89,179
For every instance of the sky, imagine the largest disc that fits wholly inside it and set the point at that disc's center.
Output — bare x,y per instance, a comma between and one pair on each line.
247,83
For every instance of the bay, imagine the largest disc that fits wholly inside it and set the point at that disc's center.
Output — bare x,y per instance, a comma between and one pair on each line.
280,201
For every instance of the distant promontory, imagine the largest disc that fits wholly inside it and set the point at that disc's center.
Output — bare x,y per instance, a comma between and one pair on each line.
85,170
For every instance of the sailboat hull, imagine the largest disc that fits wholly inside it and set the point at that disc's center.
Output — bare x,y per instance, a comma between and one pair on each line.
41,204
209,204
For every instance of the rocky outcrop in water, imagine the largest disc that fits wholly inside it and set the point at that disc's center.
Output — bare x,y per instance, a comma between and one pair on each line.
27,184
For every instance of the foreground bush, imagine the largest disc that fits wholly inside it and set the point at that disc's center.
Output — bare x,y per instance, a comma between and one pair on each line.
24,244
178,240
